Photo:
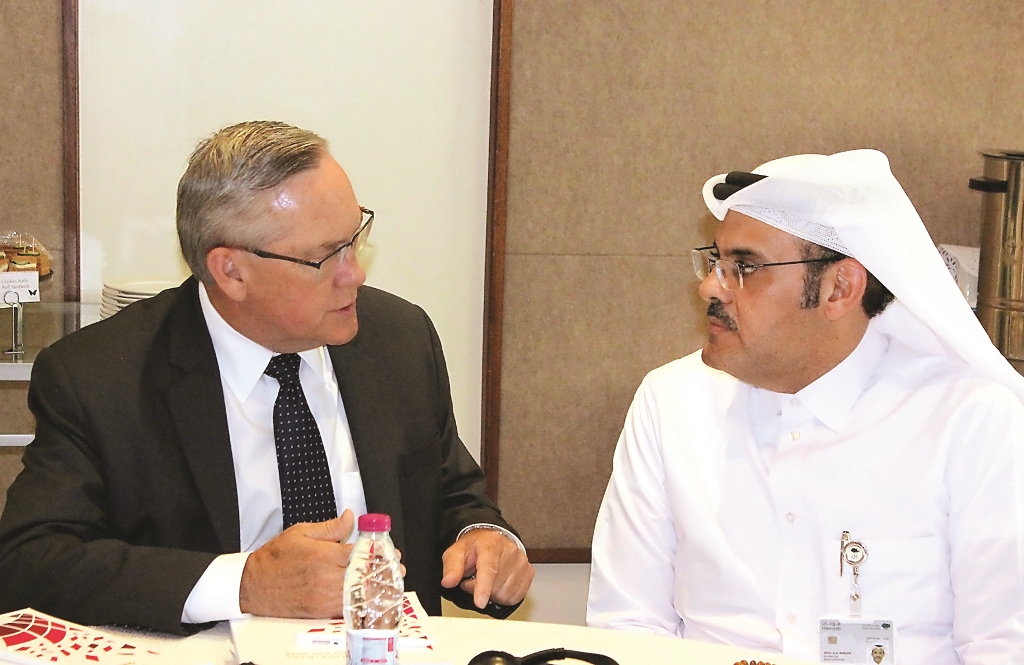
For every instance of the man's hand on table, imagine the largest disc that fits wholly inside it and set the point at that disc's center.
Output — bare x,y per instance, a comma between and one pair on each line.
498,569
300,573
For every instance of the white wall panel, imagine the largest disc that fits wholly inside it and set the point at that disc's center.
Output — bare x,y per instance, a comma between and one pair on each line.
400,89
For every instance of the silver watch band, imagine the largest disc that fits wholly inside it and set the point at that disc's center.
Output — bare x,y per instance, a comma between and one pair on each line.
493,527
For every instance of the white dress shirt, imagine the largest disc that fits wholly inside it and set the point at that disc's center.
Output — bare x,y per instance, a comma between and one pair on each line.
249,397
723,515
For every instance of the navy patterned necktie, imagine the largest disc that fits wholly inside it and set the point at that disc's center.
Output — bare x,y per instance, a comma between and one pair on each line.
306,491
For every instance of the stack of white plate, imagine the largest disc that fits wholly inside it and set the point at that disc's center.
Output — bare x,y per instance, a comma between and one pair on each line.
117,295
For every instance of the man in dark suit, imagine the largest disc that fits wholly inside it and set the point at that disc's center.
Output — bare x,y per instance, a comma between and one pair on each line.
151,496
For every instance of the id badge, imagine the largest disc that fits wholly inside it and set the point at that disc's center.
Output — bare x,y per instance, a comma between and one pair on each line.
857,640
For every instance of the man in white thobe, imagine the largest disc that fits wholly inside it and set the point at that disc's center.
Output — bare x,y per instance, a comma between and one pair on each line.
846,393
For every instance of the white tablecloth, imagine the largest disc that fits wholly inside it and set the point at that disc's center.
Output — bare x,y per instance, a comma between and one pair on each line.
457,640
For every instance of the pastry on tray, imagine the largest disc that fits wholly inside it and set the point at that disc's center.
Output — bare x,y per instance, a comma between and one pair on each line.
23,253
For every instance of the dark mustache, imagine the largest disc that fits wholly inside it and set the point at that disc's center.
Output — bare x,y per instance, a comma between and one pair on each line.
716,310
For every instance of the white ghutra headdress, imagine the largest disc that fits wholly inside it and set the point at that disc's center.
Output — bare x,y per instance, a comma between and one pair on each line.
851,202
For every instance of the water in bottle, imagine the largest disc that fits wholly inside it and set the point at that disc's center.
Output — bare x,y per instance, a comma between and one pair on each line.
373,594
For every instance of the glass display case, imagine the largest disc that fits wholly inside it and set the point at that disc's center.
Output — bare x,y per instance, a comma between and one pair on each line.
43,324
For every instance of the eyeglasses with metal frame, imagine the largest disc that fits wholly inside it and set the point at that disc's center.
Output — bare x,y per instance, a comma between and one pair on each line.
730,273
356,243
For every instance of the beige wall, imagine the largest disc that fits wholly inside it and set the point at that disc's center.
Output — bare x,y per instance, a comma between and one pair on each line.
621,110
31,126
31,175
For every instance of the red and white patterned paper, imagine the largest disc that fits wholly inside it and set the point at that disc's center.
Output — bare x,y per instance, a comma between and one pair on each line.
411,632
28,636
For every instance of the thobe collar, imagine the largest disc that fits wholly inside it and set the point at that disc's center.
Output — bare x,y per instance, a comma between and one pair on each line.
831,397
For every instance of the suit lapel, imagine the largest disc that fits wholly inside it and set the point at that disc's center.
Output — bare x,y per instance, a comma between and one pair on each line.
376,430
196,402
195,399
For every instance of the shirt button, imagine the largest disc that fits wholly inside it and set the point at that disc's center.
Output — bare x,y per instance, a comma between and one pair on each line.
795,435
791,618
790,517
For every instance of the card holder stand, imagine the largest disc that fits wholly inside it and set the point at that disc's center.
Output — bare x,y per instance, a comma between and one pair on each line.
36,326
17,323
17,350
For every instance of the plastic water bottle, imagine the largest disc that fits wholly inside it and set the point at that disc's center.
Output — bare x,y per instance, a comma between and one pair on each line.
373,594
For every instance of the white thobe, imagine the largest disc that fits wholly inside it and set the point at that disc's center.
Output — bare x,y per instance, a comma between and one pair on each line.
723,516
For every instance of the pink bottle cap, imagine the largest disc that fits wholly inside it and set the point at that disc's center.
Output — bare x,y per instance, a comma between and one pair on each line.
374,522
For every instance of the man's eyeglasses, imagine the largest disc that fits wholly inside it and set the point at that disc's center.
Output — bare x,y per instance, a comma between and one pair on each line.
351,247
730,273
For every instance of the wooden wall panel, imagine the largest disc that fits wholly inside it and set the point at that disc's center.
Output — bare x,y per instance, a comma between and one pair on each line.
31,127
33,142
619,111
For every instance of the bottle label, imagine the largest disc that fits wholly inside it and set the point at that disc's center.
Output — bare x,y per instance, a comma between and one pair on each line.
372,647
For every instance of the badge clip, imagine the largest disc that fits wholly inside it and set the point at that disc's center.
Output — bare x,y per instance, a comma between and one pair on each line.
854,554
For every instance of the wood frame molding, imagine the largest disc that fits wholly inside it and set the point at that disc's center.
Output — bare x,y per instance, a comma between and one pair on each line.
494,271
72,206
559,554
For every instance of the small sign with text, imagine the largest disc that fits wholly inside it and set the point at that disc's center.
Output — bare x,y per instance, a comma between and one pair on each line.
18,287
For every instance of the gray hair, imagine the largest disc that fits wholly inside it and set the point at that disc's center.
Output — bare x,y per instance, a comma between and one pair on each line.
218,195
